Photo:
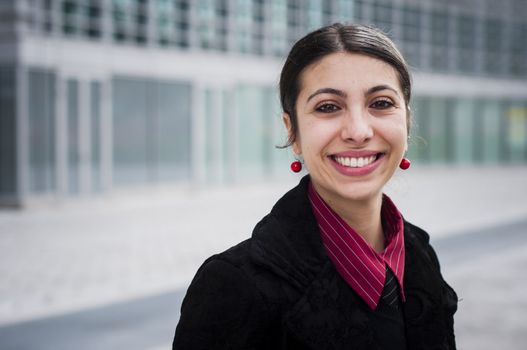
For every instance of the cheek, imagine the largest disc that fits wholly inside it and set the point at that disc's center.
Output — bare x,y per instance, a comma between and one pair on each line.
315,136
396,133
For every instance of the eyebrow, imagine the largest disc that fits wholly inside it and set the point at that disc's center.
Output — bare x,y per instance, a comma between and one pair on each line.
377,88
341,93
327,91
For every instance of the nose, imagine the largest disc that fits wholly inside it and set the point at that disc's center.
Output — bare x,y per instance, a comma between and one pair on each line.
356,127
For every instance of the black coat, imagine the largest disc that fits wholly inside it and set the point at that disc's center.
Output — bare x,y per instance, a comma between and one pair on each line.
279,290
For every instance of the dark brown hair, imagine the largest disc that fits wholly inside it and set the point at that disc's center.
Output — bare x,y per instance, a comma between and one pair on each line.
352,38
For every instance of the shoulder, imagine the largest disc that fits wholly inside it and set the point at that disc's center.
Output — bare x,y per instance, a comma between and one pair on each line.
417,242
416,234
223,308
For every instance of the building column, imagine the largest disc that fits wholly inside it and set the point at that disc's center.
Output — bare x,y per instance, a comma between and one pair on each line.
198,161
84,132
106,127
61,136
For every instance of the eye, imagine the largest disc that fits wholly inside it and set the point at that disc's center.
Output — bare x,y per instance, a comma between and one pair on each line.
327,108
382,103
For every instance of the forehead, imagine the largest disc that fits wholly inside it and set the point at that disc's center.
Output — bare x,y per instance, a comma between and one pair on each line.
347,71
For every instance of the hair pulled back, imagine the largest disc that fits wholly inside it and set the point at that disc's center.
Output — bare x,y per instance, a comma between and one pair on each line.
351,38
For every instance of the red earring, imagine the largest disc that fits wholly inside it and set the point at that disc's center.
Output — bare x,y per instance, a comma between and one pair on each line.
296,166
405,164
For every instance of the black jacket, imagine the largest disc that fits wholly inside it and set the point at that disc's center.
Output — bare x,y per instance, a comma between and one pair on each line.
279,290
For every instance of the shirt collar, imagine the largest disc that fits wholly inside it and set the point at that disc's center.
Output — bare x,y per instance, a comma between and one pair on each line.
356,261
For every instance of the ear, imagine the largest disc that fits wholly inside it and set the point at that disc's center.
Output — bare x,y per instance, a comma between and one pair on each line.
288,125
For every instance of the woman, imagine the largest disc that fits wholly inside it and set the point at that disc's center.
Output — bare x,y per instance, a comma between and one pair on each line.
334,265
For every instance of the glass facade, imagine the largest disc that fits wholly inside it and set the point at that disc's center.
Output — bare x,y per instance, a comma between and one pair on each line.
254,141
452,35
151,130
468,130
91,126
42,123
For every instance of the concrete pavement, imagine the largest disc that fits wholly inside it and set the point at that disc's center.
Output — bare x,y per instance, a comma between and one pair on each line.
100,251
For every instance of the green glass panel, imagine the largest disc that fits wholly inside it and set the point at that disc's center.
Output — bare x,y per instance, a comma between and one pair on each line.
437,138
491,131
463,118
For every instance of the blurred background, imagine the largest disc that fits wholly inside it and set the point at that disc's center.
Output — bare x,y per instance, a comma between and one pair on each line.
137,138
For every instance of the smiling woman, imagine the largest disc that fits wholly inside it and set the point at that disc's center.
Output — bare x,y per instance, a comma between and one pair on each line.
334,265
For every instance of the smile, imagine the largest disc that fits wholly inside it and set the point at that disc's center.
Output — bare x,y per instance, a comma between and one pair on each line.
355,162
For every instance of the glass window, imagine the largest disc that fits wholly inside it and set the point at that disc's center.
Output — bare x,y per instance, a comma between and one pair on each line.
343,11
278,27
493,34
313,15
206,23
518,64
182,22
8,178
516,114
490,121
254,138
130,20
493,41
439,58
466,35
70,11
121,19
418,147
95,128
360,10
130,131
222,24
439,28
41,109
411,24
73,135
411,35
171,109
243,22
165,22
383,15
151,130
258,20
93,14
463,122
437,110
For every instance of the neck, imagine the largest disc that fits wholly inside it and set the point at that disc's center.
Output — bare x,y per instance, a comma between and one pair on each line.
364,216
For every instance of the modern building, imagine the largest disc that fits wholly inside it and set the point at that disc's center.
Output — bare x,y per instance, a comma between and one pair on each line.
103,94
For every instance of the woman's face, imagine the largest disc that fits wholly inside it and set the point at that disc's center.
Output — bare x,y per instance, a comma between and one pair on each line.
351,125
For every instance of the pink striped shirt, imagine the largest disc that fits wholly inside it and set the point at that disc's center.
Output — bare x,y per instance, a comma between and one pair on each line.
355,259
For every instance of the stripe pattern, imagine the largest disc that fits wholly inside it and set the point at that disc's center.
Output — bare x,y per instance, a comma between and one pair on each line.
390,293
355,259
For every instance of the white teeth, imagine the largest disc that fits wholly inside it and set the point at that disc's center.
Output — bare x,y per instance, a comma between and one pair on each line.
355,162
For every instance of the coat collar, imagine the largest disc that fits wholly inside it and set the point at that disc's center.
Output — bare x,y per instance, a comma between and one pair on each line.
288,243
324,313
